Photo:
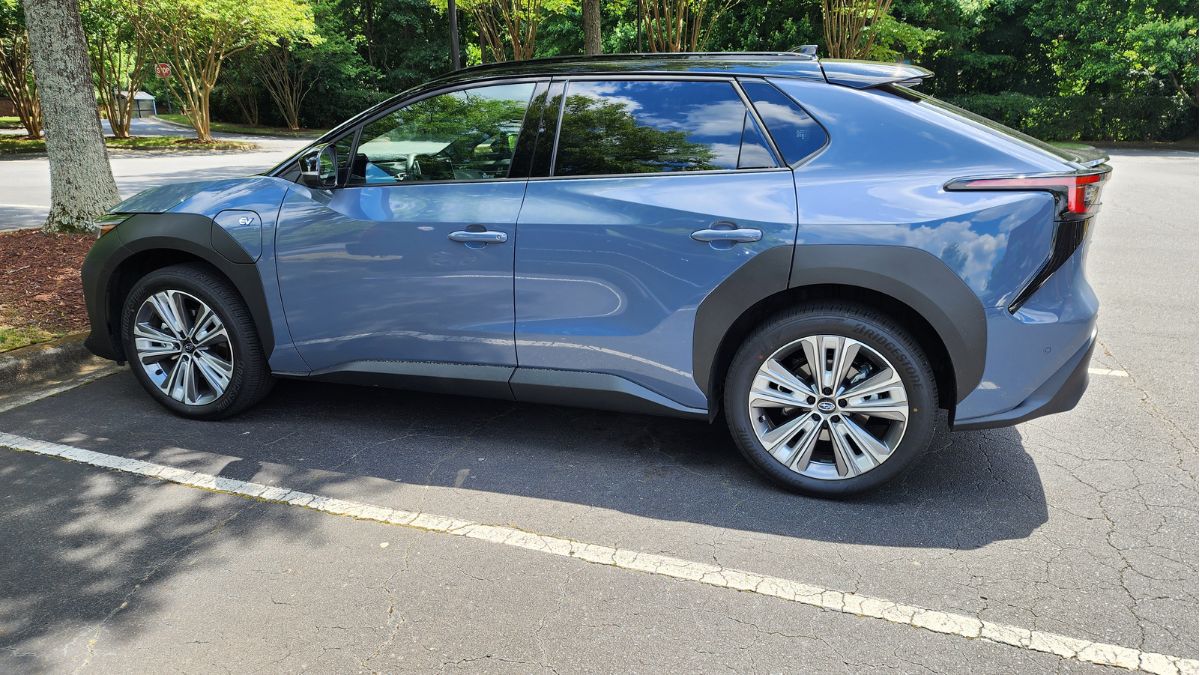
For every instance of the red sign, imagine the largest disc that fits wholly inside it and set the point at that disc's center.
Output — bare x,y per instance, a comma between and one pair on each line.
162,70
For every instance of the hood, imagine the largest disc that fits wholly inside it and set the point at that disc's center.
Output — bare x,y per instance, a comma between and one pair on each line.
206,197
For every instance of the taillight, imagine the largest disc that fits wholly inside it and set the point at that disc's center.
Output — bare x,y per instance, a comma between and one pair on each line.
1080,192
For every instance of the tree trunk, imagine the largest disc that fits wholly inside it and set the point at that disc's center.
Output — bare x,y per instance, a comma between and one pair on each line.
81,180
591,27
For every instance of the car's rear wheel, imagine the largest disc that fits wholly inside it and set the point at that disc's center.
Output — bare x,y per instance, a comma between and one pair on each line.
192,344
831,399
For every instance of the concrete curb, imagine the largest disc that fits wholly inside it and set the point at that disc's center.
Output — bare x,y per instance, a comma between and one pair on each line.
37,363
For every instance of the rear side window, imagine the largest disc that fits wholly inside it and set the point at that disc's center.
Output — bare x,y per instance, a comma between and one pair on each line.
653,127
796,134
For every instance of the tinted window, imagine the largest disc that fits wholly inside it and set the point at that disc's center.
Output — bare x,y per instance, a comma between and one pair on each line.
462,135
796,134
651,127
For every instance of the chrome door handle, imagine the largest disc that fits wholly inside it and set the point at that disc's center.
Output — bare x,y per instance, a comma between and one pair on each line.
486,237
740,235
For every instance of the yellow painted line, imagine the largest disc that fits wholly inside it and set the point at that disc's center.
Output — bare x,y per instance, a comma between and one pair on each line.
947,623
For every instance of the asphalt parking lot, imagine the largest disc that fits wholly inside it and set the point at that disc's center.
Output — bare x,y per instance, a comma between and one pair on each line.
1081,526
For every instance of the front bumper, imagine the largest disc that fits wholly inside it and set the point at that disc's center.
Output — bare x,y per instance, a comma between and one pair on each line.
96,270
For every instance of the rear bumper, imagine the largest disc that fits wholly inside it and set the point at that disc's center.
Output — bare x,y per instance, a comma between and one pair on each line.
1038,356
1058,394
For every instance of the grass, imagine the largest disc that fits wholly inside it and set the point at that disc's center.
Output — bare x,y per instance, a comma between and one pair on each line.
249,130
20,145
23,336
10,122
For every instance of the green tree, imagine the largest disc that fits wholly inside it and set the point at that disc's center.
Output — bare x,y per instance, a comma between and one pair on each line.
508,29
117,46
16,68
1164,50
681,25
769,25
197,37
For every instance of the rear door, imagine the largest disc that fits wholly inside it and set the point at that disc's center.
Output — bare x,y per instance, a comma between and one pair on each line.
655,191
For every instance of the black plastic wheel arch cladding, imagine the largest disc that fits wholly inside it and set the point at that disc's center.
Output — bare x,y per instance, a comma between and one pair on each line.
909,276
188,234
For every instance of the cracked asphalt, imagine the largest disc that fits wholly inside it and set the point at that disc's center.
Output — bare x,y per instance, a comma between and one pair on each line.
1082,524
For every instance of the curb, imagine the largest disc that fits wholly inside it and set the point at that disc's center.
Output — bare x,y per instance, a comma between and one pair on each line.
40,362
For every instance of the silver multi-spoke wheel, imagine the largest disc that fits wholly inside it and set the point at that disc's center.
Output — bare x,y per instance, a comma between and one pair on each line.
183,347
828,407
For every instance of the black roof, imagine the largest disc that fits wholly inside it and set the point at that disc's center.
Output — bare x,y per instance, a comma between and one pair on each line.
778,64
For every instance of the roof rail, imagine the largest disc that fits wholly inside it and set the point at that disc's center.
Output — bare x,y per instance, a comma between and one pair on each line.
629,56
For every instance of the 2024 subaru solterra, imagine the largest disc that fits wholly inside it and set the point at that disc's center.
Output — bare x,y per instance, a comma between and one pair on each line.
811,248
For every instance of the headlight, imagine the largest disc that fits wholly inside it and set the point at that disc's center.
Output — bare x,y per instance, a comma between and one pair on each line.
107,222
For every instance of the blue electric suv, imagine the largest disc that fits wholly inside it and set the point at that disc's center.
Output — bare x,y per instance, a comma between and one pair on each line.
834,262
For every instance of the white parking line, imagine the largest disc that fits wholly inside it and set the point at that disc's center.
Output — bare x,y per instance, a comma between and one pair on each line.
676,568
1107,371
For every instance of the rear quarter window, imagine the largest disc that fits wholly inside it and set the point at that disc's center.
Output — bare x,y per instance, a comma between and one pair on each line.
795,132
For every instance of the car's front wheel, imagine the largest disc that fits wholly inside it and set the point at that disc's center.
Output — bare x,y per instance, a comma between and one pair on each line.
831,399
191,343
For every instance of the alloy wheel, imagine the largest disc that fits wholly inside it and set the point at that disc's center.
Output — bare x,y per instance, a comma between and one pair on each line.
183,347
828,407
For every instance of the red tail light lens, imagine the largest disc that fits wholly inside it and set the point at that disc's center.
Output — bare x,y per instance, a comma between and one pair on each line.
1080,191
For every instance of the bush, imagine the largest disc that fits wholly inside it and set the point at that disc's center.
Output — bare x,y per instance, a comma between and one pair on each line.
1088,118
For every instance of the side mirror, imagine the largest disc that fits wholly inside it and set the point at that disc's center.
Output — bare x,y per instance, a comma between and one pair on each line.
319,168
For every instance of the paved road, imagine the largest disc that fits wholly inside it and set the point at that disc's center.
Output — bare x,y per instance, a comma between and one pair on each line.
1081,525
25,181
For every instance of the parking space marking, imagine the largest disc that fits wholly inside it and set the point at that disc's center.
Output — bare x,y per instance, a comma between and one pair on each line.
676,568
1107,371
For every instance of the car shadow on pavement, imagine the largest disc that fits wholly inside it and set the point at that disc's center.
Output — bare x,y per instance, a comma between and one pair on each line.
974,488
87,554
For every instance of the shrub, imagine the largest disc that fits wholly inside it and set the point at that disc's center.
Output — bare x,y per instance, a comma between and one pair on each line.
1088,118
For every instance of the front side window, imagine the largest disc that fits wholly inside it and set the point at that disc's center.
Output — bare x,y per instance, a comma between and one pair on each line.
462,135
637,127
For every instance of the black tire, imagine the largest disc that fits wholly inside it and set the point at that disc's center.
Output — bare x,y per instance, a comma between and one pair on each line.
868,326
251,379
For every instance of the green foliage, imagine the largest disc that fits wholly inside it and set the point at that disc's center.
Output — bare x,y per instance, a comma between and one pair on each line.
1015,58
1087,118
771,25
1164,50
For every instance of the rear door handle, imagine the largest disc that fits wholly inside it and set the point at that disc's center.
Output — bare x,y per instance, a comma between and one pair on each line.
740,235
485,237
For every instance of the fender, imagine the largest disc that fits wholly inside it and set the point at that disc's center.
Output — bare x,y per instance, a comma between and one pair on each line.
188,233
911,276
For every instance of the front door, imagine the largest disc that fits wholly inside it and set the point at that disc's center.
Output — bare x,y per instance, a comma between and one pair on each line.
410,262
659,191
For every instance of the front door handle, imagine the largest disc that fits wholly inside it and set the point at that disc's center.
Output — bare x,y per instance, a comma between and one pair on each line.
485,237
740,235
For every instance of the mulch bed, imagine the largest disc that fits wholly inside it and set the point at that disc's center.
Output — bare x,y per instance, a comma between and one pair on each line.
39,280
